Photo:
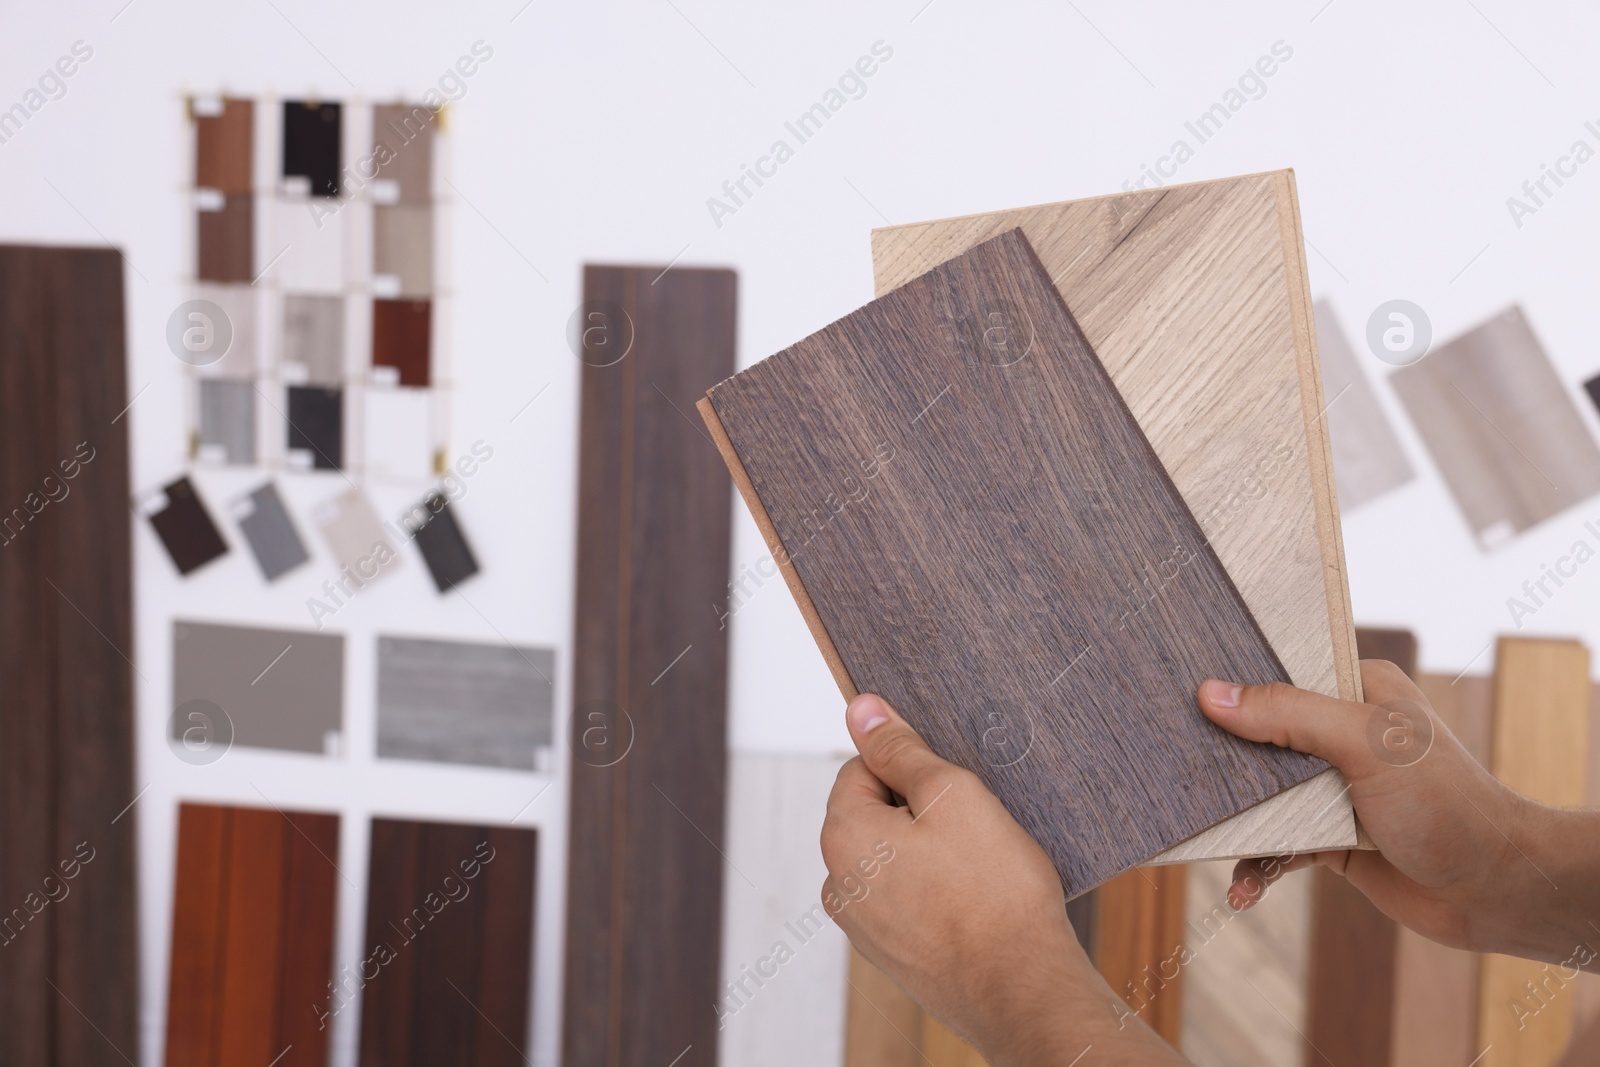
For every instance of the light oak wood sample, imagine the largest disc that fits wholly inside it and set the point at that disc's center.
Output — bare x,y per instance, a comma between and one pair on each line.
1195,299
1502,428
1539,748
1020,531
885,1028
1367,458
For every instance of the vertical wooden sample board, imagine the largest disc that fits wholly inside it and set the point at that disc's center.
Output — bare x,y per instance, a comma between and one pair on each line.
1140,921
1195,299
1350,993
886,1028
1539,748
649,726
252,937
999,523
450,937
69,981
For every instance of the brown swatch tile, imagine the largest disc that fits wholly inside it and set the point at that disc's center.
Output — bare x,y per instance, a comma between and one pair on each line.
450,910
252,937
313,337
186,528
1367,458
402,247
406,133
912,466
280,689
401,339
1502,430
227,248
224,147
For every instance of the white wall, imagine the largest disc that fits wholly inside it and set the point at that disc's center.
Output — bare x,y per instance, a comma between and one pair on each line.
597,132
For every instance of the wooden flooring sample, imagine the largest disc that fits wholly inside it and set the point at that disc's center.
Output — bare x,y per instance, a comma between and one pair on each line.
1140,920
1368,460
886,1028
450,914
252,937
1502,430
1539,748
69,937
1195,299
988,542
650,665
224,145
227,241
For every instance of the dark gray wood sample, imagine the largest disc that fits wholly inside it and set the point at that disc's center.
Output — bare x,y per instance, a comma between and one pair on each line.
1367,458
311,144
270,532
991,544
279,689
489,705
444,547
1501,428
69,936
316,426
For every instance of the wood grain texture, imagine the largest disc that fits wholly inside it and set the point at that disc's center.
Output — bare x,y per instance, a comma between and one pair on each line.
1162,282
1141,920
1501,427
66,723
1368,460
1350,995
645,873
227,241
885,450
252,937
1539,748
225,147
450,924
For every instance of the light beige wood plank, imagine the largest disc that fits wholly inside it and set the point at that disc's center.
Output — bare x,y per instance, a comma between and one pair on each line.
883,1026
1502,428
1195,299
1540,748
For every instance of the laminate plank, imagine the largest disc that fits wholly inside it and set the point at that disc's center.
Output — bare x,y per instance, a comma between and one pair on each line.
885,505
313,338
69,933
443,546
238,304
406,131
315,427
402,248
227,421
1501,428
1539,748
393,924
281,689
225,146
250,985
645,870
449,951
227,241
883,1026
508,938
356,538
402,339
1351,1005
199,911
310,897
1141,922
1368,460
311,144
1161,282
186,528
270,532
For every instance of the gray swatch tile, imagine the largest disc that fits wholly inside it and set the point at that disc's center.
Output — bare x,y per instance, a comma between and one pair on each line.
1501,427
313,338
402,247
270,532
280,689
456,702
1368,460
227,421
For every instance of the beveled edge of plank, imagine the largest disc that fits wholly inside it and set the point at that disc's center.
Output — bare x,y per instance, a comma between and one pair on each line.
1330,825
769,534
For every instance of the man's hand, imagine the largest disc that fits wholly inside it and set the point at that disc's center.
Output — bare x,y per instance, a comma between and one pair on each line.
1461,858
956,903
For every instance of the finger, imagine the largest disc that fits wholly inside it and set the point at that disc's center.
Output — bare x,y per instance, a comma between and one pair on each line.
1253,877
1283,715
894,752
856,788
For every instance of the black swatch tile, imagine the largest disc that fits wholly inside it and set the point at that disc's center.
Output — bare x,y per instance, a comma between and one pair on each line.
444,547
1592,387
186,528
316,424
311,135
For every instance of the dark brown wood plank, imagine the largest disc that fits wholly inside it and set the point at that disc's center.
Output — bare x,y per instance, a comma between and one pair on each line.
506,977
645,875
387,1002
68,987
988,538
199,908
450,949
310,900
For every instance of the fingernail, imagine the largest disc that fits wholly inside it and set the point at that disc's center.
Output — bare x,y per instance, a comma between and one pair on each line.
865,713
1223,694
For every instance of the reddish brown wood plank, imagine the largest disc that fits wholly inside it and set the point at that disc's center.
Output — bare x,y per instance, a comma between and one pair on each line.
1139,930
645,873
199,906
988,539
250,985
224,147
310,895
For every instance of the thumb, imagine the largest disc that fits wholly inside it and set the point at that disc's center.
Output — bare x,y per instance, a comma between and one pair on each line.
1283,715
894,752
